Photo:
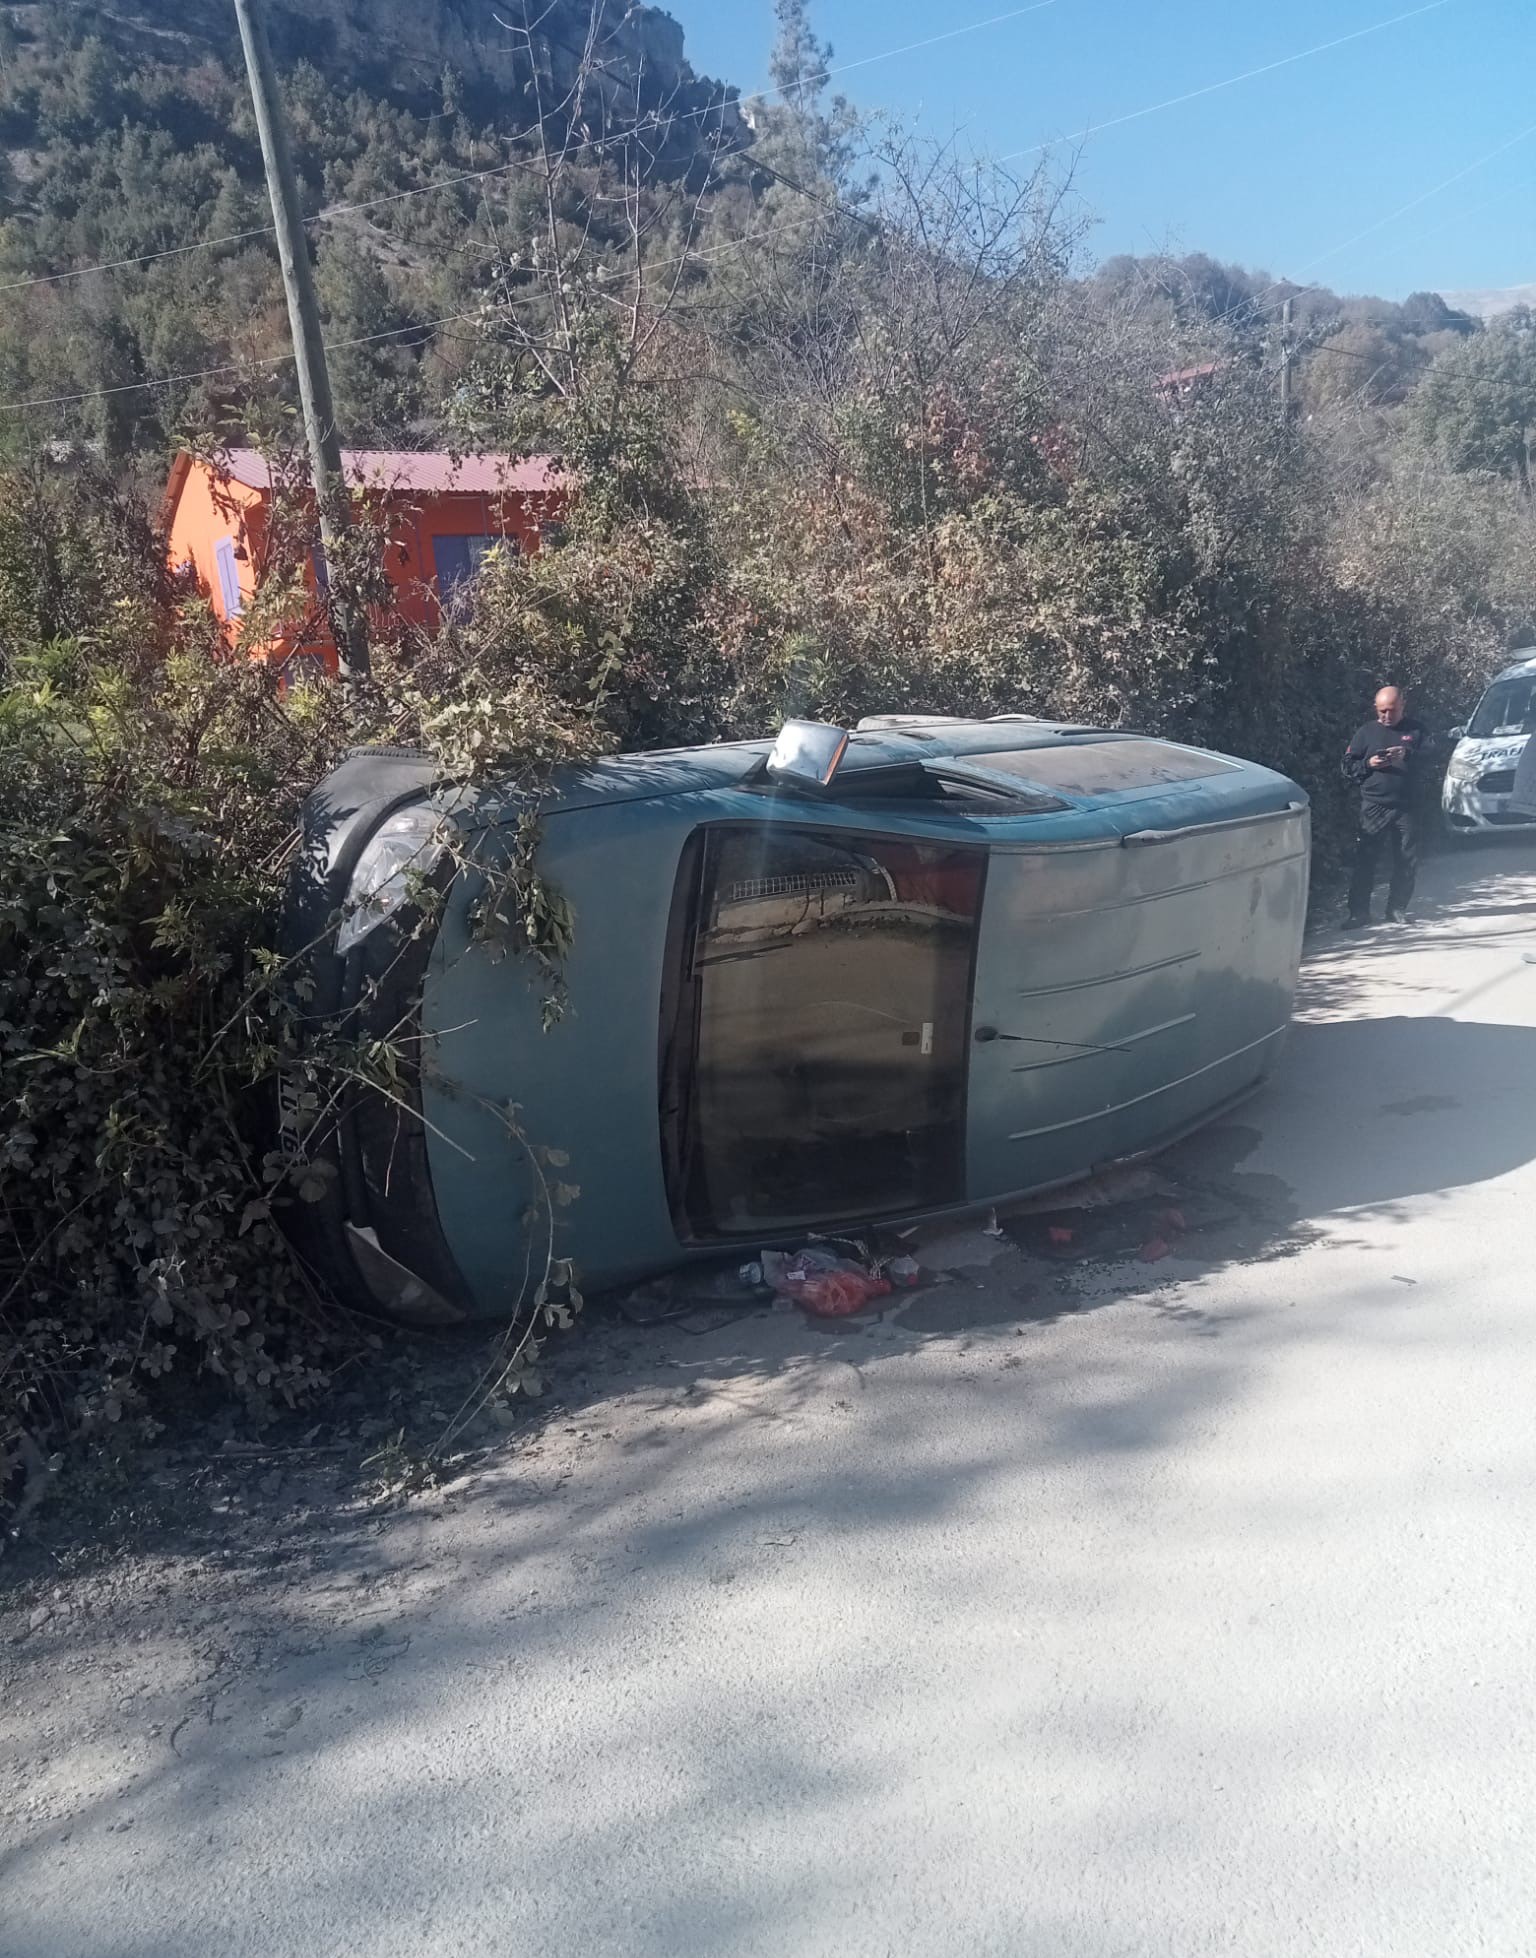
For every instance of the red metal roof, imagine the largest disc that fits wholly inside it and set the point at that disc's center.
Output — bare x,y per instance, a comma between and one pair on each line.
430,473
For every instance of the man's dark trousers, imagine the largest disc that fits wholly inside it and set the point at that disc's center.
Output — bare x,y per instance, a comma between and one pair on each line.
1398,830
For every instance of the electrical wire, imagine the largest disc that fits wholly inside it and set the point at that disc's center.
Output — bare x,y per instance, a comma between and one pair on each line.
1231,81
1302,284
836,205
1413,204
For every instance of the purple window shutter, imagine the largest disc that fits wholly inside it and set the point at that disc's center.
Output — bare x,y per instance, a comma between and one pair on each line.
450,556
229,577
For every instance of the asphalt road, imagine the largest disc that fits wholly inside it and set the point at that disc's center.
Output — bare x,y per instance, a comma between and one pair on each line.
1094,1612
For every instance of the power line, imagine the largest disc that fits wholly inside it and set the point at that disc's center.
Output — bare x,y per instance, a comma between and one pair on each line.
1231,81
789,183
1302,284
331,212
912,47
1424,197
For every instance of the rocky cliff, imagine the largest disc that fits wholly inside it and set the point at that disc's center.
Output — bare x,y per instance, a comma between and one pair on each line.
602,62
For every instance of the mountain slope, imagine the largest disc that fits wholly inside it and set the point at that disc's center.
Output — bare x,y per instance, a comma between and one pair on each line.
126,133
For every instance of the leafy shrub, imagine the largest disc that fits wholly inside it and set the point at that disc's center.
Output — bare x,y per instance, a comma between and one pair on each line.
149,787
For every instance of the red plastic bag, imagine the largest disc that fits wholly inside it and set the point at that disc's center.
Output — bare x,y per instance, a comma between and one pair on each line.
834,1294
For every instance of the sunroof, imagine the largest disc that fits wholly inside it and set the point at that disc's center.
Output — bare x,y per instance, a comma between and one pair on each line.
962,780
1103,767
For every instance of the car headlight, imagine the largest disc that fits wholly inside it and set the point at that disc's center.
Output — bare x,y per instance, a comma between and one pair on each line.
1463,768
401,852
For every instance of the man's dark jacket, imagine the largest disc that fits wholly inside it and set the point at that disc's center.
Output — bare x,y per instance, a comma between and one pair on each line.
1388,791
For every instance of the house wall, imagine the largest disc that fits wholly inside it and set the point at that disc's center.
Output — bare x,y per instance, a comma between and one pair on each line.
208,510
416,523
205,513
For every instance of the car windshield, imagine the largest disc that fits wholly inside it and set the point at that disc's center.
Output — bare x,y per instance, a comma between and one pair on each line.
823,1057
1508,707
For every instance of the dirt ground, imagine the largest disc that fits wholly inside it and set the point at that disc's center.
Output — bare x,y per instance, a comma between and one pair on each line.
213,1560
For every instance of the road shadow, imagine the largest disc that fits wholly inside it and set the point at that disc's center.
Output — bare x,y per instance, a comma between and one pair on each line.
287,1629
1446,1105
487,1697
1431,1105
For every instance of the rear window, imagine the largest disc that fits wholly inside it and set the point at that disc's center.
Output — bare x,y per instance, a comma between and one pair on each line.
1106,767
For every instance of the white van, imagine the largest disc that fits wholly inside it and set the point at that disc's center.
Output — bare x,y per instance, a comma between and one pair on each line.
1480,780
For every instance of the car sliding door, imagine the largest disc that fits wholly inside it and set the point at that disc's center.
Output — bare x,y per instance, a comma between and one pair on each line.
814,1065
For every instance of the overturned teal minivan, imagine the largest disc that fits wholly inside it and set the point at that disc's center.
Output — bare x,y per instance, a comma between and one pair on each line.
835,981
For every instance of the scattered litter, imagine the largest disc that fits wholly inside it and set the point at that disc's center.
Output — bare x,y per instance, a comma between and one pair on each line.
992,1228
772,1269
823,1283
1398,1279
834,1294
704,1292
1154,1249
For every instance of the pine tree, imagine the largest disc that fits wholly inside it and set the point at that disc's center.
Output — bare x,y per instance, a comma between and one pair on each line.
808,134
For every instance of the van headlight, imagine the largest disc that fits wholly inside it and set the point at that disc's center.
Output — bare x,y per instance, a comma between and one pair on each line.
403,850
1463,768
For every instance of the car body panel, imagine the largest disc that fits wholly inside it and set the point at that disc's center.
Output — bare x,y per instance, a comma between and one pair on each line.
587,1086
1161,924
1158,980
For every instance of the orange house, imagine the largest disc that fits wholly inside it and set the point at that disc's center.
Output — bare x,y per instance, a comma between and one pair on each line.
437,516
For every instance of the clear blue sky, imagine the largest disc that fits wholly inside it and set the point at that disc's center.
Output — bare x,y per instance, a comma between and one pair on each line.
1277,172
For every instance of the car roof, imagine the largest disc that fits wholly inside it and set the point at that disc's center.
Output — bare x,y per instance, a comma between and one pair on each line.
1523,669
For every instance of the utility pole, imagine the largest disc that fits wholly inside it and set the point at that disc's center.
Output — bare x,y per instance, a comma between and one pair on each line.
1286,354
348,622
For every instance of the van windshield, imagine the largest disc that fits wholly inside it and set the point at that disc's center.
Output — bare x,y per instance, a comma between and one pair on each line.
1508,707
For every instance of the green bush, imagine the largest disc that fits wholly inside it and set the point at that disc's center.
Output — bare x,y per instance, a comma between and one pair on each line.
148,793
149,789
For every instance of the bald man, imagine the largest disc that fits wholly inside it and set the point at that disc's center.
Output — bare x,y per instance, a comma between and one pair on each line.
1383,762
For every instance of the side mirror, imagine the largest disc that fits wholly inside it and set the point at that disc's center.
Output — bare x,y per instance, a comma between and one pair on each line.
808,753
1457,734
